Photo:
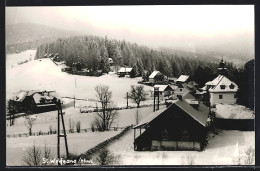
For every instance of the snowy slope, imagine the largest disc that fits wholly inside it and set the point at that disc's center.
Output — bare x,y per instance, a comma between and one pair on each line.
45,75
12,60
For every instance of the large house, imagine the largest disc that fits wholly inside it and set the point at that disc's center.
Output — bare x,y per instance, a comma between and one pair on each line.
180,126
33,101
156,77
221,90
122,72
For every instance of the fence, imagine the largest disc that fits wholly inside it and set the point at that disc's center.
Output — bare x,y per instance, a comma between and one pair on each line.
40,133
105,143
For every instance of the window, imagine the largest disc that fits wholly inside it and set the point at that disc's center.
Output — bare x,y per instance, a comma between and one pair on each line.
222,86
220,96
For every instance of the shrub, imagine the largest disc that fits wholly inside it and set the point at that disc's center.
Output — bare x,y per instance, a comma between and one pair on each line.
105,157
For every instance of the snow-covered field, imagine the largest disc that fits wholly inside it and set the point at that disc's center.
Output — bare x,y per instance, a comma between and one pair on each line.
43,121
12,60
223,149
77,143
233,112
43,74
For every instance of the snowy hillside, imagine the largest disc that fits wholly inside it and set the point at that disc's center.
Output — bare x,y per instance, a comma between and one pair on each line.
43,74
12,60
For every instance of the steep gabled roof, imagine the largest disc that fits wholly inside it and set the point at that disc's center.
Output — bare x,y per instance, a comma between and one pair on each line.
154,73
123,69
199,114
182,78
151,117
219,81
163,87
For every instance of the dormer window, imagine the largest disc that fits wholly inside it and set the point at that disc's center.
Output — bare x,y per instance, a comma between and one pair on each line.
231,86
222,86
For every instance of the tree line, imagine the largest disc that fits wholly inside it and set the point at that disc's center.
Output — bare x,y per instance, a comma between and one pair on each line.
93,52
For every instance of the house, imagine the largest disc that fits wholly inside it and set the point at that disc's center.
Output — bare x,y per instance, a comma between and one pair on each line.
180,126
185,87
122,72
156,77
33,101
221,90
182,79
164,90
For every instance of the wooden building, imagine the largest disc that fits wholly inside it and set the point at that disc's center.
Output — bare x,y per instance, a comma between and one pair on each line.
33,101
182,79
124,72
156,77
180,126
185,87
164,90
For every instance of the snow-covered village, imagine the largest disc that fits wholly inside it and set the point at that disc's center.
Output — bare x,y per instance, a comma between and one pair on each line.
123,94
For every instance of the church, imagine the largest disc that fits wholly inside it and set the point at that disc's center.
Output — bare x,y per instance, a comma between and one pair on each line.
221,90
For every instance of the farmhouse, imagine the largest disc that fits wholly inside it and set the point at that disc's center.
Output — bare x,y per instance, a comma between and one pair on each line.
33,101
156,77
181,126
164,90
122,72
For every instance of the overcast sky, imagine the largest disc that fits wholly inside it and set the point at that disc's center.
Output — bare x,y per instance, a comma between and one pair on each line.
149,25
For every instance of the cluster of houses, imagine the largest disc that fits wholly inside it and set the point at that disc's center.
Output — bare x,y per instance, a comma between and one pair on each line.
182,125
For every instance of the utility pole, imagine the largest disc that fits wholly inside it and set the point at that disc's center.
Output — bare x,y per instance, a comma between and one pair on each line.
60,114
127,99
74,93
156,93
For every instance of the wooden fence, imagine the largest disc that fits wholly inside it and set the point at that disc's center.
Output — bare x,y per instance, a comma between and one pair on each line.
40,133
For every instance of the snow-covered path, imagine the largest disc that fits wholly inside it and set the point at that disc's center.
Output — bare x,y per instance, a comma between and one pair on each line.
221,150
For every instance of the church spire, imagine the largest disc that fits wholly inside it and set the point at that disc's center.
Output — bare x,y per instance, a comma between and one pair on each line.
222,70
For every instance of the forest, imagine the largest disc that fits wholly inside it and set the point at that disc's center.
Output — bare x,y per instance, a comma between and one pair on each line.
93,52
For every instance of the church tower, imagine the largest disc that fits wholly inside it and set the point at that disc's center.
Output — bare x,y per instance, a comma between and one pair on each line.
221,69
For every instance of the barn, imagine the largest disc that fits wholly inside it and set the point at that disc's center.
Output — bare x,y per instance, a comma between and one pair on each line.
33,101
156,77
180,126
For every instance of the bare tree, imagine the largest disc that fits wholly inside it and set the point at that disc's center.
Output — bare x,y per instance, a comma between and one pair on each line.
29,123
138,117
107,114
33,156
137,94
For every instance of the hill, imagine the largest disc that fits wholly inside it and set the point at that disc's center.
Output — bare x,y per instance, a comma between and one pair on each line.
24,36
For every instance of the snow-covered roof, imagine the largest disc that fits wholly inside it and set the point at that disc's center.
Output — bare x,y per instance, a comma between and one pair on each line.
222,84
200,114
154,73
226,111
163,87
123,69
182,78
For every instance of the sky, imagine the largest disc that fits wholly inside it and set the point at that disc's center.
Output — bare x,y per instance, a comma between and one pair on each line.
154,25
